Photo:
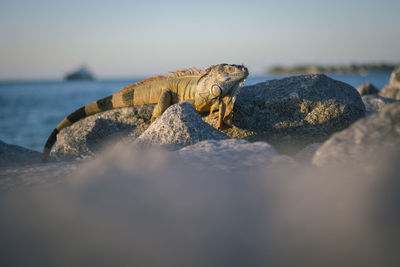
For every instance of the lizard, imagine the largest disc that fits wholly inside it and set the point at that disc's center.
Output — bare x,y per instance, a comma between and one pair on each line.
213,88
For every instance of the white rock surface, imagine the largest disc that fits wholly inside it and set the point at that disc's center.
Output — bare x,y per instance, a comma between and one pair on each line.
180,125
392,90
36,175
375,103
13,155
89,135
232,154
365,140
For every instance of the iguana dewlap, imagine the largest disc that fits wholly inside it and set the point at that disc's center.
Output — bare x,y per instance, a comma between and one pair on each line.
213,88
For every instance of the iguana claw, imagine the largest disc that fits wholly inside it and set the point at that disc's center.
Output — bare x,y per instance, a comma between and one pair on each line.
145,124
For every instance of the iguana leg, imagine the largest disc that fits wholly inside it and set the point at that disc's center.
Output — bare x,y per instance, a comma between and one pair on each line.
228,115
211,111
225,117
214,106
163,103
221,124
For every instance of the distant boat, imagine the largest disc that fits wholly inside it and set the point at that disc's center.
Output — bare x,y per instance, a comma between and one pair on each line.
83,73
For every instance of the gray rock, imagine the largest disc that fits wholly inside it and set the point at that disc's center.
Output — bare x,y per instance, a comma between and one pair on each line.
367,89
288,113
392,90
13,155
365,140
36,175
295,111
232,154
306,154
89,135
180,125
395,78
375,103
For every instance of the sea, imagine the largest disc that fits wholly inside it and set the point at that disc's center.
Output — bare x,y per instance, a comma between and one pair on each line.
29,110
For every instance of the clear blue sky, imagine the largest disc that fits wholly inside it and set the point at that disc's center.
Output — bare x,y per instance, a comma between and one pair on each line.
44,39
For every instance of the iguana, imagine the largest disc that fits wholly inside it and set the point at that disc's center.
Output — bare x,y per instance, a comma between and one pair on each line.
207,90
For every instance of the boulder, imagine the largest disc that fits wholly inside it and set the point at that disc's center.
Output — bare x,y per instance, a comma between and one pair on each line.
295,111
306,154
365,140
232,155
367,89
288,113
375,103
180,125
13,155
392,90
17,177
395,78
87,136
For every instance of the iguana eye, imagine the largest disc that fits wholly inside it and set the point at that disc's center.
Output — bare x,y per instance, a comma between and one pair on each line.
215,90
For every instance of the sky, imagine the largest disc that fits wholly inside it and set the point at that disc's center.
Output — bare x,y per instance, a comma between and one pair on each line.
44,39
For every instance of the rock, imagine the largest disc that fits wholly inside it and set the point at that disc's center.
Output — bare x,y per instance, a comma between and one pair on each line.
395,78
135,208
232,154
87,136
306,154
180,125
288,113
392,90
37,175
295,111
367,89
375,103
365,140
13,155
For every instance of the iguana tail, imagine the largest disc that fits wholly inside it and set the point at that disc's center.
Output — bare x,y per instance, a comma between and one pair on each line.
117,100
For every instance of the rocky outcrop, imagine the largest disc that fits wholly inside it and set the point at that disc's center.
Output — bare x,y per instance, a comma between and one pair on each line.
13,155
288,113
295,111
180,125
367,89
392,90
90,134
365,140
375,103
232,154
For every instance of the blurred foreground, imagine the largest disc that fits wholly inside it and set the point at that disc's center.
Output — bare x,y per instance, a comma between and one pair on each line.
130,207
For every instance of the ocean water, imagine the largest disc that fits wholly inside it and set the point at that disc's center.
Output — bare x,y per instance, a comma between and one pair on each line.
29,111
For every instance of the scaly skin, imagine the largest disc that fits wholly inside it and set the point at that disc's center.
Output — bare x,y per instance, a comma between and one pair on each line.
212,88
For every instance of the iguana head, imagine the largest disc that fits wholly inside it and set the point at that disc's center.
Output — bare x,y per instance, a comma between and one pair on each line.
219,86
